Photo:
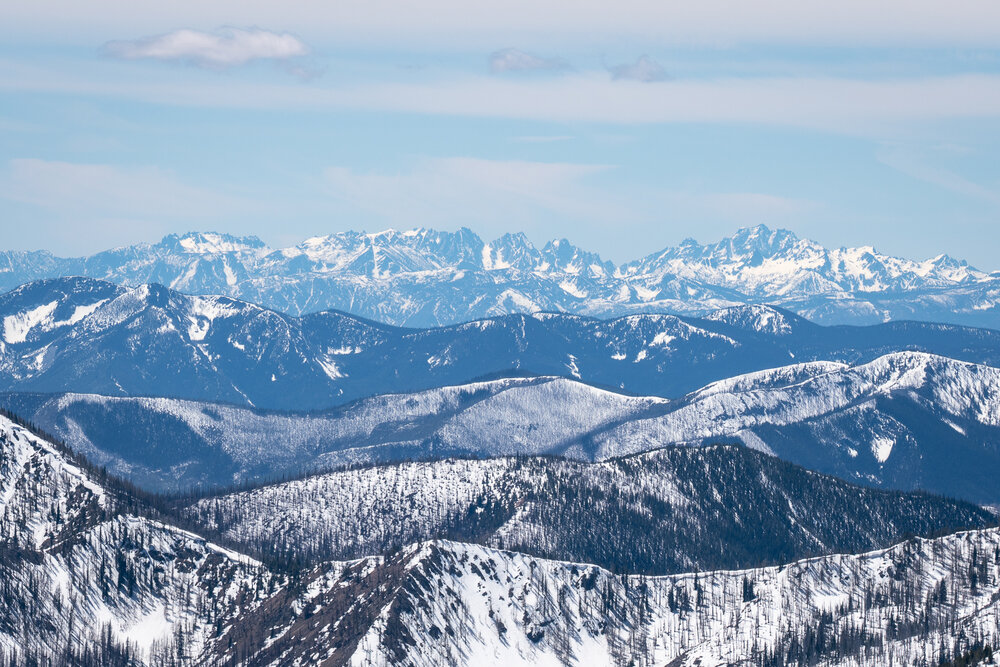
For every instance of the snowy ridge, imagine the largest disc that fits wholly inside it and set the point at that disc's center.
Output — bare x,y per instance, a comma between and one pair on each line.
905,420
40,491
497,607
230,444
422,277
755,318
804,391
665,514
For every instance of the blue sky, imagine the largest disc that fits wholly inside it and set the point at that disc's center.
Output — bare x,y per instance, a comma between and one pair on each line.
624,128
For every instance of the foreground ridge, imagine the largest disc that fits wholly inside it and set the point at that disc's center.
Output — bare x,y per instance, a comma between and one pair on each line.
86,582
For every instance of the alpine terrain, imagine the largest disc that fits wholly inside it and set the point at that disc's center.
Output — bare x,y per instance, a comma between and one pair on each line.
375,409
423,277
91,573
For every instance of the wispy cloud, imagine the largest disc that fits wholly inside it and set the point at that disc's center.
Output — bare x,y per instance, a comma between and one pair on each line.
541,139
449,24
108,190
644,69
851,105
488,194
915,165
88,207
228,47
512,60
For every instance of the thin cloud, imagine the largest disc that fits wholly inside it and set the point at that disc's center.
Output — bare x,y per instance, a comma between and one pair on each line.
487,193
644,69
460,24
850,105
229,47
512,60
108,190
74,208
909,162
541,139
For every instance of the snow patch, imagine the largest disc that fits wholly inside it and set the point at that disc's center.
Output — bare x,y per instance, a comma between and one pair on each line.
663,339
149,629
571,288
882,448
16,327
329,367
573,368
209,243
204,311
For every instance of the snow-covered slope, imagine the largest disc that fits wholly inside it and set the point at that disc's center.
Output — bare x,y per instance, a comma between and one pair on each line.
85,579
905,420
88,577
458,604
423,277
83,335
173,444
672,510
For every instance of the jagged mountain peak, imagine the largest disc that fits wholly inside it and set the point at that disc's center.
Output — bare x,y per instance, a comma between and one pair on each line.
749,246
568,258
513,250
211,243
760,238
389,252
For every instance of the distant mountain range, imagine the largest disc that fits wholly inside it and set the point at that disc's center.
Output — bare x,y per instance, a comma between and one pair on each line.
90,336
428,278
92,574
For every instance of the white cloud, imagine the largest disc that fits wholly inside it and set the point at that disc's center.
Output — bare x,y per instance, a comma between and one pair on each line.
226,48
512,60
644,69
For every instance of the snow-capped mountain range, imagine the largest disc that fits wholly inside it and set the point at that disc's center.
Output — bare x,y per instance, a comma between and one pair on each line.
89,575
90,336
906,420
423,277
